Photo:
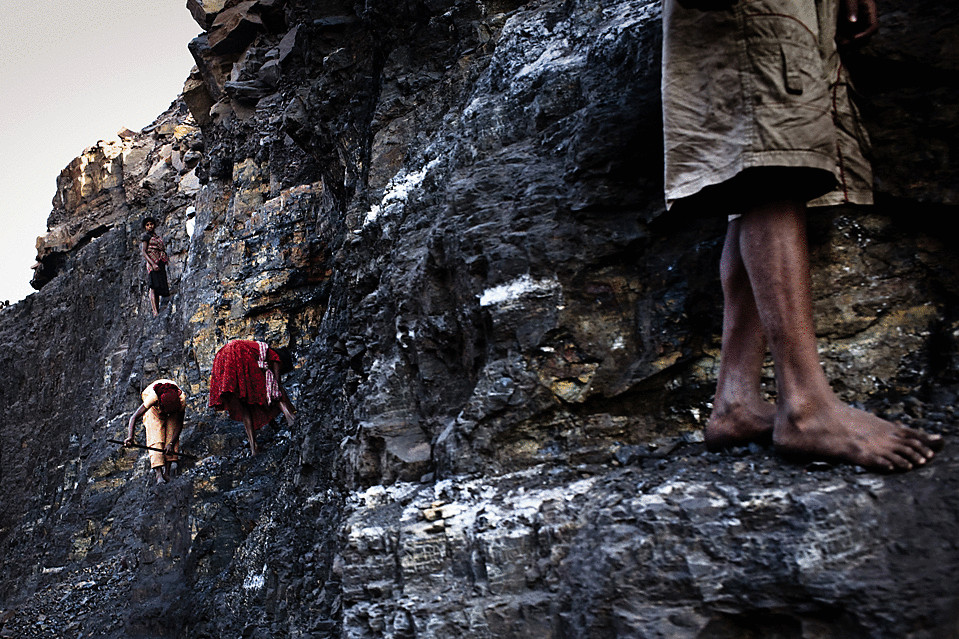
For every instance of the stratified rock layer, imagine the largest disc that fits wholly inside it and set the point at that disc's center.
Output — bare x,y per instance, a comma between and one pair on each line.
505,352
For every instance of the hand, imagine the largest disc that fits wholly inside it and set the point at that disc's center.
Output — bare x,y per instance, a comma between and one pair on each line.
168,450
128,442
858,21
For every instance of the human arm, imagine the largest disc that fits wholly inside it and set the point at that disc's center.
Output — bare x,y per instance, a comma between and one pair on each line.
275,369
133,420
858,21
286,406
151,265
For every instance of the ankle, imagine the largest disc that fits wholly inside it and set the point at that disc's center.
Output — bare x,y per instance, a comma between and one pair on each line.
748,400
802,411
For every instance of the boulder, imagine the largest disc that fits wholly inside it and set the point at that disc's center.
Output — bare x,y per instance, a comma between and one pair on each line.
234,29
205,11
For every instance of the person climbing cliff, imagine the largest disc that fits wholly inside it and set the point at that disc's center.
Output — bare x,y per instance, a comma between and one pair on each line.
245,382
154,254
757,123
163,410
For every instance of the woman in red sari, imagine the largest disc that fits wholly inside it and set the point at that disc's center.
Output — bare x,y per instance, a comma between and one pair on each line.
245,382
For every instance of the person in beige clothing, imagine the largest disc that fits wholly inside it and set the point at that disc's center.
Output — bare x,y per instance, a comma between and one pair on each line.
758,125
163,410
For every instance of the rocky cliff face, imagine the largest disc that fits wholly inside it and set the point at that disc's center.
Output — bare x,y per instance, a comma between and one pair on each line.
452,210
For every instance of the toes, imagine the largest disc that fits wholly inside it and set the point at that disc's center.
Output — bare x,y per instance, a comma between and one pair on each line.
914,454
926,444
884,465
895,461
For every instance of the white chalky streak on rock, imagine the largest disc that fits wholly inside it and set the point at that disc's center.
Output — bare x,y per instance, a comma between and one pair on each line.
461,518
523,285
255,581
553,57
399,190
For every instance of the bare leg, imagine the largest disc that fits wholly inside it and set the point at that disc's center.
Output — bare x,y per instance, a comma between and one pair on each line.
740,414
248,427
161,478
810,419
154,303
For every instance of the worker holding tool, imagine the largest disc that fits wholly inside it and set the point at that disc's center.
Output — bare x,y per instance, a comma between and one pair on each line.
163,409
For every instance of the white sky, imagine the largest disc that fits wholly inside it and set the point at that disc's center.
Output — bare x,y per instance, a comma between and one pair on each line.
73,72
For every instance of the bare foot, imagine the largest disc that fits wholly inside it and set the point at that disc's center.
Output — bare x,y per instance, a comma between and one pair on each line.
835,431
739,424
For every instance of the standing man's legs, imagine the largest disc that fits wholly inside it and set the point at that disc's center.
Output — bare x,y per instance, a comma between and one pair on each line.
809,418
740,414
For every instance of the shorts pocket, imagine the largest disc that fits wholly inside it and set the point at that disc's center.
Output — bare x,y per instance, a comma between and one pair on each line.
792,72
786,72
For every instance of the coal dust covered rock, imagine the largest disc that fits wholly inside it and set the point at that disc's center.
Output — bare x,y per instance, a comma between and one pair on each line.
702,545
505,348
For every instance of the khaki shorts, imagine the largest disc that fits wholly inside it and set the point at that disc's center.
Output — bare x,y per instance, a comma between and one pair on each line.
759,83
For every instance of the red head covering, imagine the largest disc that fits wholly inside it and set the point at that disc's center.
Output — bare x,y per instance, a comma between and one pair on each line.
169,396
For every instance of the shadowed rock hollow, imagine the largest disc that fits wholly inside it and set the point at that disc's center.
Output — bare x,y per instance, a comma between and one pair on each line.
505,353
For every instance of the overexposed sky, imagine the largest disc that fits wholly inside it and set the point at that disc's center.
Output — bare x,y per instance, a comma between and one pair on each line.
72,73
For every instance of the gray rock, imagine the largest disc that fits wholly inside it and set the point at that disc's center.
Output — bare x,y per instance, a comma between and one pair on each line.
505,352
